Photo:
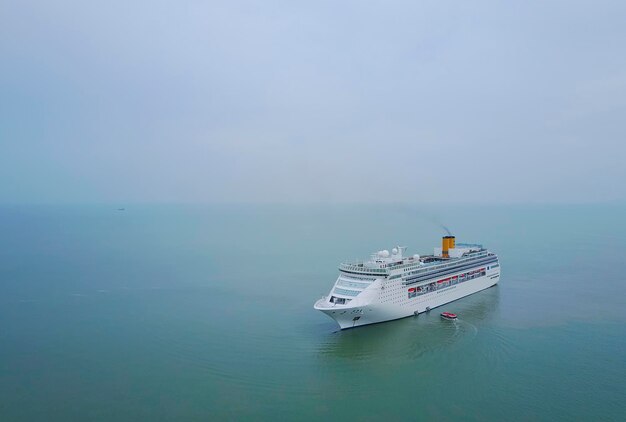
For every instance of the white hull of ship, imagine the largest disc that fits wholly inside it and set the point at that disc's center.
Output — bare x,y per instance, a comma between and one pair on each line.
369,310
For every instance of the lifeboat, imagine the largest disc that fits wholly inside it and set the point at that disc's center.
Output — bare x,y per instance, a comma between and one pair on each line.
448,315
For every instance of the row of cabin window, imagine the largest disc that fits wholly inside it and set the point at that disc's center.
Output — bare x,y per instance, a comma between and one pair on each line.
434,286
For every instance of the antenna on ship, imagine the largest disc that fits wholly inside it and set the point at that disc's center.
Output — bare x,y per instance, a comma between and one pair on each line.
400,250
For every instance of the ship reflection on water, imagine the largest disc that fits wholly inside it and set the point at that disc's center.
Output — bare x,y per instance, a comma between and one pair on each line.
413,337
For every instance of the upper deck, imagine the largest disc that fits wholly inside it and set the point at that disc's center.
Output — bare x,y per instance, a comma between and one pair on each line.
383,264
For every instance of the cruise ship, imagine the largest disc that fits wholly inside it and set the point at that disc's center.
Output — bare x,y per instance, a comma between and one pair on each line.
392,286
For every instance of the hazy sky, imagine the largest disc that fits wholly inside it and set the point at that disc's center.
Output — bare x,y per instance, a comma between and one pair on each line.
338,101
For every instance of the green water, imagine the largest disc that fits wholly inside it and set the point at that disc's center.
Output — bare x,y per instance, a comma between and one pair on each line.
205,313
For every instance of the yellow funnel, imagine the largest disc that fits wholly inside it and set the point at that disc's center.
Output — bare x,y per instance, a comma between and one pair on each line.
447,243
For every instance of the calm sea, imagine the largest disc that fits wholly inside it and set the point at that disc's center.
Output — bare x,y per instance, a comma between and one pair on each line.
170,312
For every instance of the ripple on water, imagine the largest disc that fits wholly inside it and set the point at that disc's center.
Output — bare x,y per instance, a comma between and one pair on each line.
396,341
498,349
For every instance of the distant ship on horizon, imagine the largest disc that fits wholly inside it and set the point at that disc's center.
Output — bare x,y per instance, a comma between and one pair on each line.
391,286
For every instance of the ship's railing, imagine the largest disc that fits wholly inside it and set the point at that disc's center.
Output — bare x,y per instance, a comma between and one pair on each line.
466,258
470,245
361,268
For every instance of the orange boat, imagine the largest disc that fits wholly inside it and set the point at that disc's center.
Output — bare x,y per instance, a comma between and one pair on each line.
448,315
